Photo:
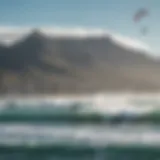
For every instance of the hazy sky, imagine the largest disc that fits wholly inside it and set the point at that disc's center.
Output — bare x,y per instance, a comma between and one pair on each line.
115,15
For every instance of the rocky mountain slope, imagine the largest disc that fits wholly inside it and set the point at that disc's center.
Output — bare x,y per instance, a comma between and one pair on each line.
40,64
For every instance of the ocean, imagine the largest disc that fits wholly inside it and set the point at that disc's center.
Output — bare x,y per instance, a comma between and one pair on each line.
90,128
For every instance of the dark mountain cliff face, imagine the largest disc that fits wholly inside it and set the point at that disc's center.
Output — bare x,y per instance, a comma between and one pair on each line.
40,64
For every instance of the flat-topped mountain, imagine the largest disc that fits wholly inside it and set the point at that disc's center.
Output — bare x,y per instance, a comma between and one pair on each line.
44,64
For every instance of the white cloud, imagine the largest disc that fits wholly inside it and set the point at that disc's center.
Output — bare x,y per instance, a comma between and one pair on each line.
18,30
129,42
77,31
9,35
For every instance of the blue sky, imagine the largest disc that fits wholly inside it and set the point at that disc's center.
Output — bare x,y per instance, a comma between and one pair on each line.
113,15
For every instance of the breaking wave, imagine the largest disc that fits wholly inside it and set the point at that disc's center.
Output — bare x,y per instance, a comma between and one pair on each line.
85,128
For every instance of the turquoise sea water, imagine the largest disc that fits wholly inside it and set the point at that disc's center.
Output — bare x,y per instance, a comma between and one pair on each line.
46,131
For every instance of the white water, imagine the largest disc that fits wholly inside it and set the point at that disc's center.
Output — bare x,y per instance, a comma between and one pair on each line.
98,103
81,135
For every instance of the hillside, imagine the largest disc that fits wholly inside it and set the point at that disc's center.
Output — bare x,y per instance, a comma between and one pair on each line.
41,64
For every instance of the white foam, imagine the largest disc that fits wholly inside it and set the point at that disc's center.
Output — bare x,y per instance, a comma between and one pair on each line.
79,135
98,103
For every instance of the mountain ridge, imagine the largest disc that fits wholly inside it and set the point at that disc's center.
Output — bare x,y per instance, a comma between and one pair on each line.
41,64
